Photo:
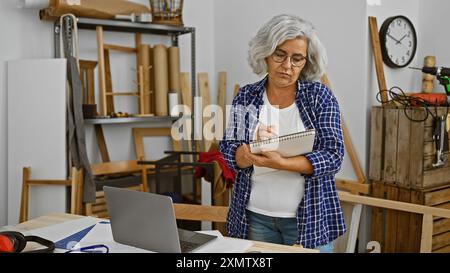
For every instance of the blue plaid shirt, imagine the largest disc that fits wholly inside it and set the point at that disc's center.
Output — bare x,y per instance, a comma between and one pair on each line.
319,215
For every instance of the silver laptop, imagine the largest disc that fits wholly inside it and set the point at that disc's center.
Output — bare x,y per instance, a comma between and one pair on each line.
147,221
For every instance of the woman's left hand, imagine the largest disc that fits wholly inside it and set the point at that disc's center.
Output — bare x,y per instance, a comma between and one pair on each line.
268,159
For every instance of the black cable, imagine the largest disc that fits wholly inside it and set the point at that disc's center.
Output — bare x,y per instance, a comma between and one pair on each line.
407,101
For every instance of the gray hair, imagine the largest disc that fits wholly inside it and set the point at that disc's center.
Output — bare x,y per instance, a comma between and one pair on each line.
275,32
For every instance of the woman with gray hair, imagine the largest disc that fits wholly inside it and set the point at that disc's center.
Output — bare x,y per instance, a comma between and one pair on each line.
278,199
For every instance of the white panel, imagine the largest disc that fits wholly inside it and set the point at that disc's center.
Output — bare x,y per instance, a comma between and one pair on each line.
36,133
206,200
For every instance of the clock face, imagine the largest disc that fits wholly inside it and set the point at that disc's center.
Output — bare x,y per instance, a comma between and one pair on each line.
398,41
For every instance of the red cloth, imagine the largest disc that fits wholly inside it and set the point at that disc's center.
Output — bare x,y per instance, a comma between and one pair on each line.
228,174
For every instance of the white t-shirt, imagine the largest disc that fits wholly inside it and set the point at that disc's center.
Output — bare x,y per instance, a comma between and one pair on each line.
277,193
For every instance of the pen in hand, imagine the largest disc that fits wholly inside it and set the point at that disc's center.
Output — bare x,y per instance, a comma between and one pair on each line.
264,131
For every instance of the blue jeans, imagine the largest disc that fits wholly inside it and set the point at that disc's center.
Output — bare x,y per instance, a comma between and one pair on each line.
276,230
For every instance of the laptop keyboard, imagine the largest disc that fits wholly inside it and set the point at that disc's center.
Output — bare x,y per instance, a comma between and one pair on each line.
187,246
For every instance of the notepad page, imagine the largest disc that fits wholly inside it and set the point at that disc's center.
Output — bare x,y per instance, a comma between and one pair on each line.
289,145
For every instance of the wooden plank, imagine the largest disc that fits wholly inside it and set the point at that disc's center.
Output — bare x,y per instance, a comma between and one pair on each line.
151,82
377,215
125,49
416,153
114,167
404,195
99,208
236,90
427,234
140,133
443,206
376,144
200,212
353,186
222,102
415,223
137,94
403,149
429,148
437,197
141,88
137,45
441,226
101,142
103,215
25,195
392,204
435,177
79,207
87,77
144,52
441,240
90,86
390,149
376,48
83,78
73,190
101,71
108,83
49,182
186,92
445,249
203,87
391,221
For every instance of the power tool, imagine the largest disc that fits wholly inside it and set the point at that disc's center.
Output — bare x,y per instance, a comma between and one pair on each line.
441,73
440,134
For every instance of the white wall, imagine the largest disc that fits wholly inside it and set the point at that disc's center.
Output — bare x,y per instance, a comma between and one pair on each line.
433,39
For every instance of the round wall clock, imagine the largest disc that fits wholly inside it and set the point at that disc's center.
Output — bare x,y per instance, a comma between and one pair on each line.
398,41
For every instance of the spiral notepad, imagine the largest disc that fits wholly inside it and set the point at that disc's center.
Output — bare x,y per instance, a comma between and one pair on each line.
288,145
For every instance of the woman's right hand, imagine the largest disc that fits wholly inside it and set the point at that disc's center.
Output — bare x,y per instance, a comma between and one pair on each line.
243,155
266,132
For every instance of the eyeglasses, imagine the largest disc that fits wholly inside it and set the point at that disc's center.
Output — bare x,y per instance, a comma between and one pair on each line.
297,60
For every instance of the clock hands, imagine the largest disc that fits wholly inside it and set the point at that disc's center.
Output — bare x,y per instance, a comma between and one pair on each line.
393,38
397,41
400,41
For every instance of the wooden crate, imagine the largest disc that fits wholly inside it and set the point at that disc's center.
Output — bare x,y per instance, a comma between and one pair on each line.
402,152
401,231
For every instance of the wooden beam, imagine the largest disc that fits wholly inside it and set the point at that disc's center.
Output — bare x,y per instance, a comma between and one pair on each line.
395,205
427,234
376,48
201,212
101,70
353,186
120,48
236,89
101,142
49,183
